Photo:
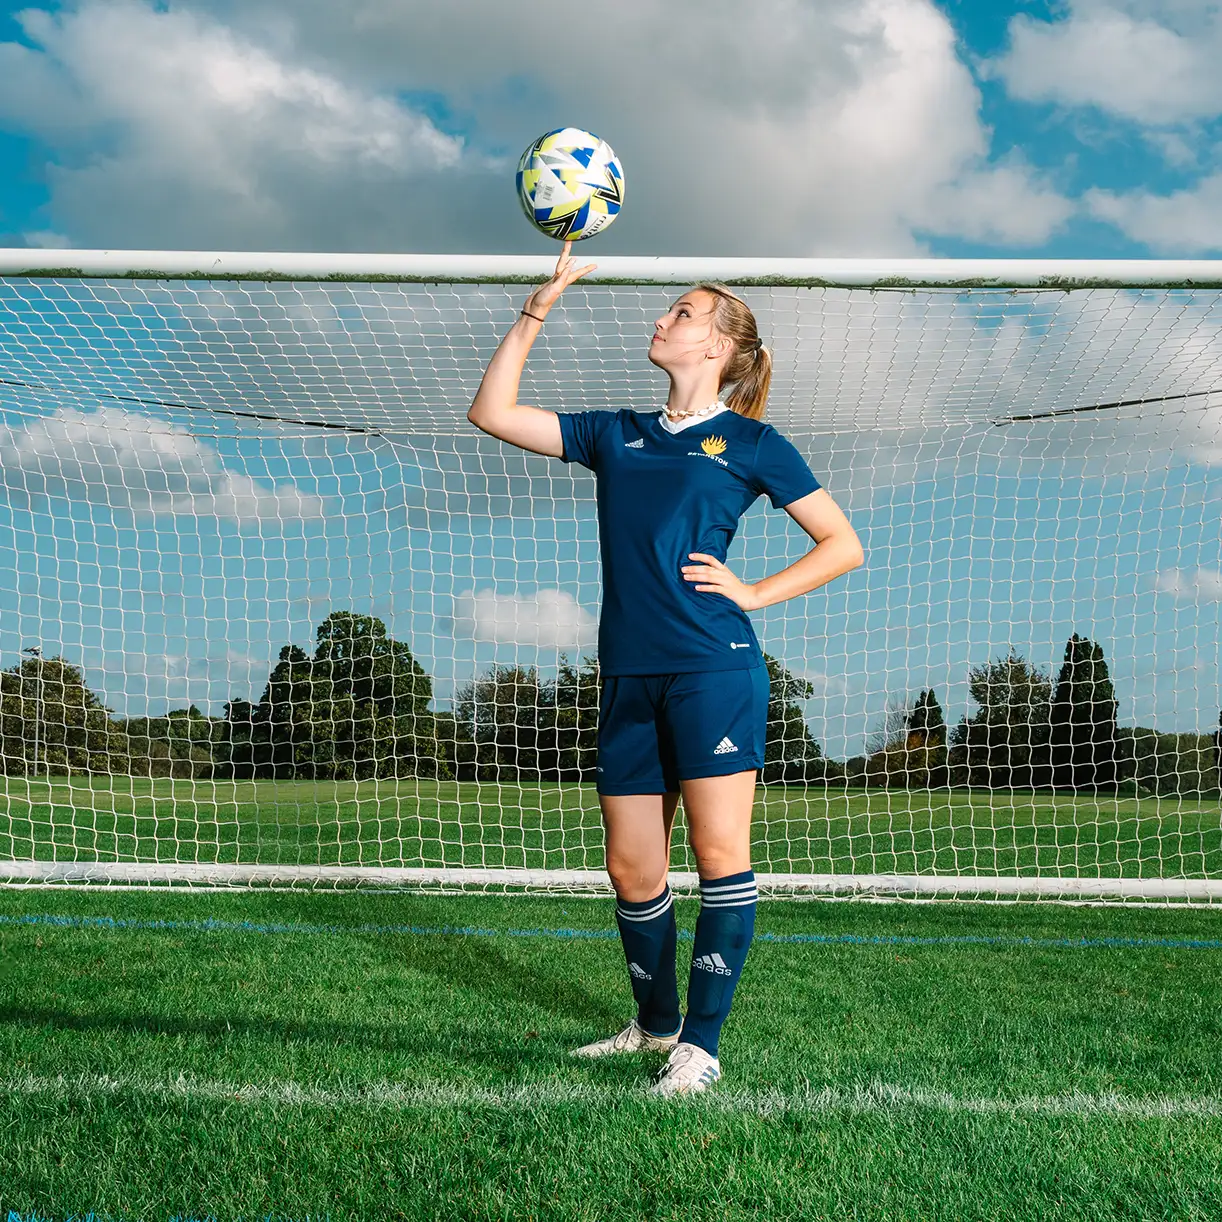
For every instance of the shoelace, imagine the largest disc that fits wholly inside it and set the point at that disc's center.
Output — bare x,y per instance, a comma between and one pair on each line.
679,1059
624,1038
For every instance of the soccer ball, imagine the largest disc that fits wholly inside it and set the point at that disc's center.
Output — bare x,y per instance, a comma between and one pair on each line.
570,184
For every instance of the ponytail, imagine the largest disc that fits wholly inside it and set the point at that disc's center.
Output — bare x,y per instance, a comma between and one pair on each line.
749,369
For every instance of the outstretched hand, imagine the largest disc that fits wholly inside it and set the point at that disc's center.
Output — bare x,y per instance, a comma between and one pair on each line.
548,293
719,580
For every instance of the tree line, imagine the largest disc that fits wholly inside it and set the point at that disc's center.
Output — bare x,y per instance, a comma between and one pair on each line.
358,707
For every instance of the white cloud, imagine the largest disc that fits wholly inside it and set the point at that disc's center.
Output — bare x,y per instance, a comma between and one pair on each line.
171,127
547,618
823,683
1201,585
1187,222
840,128
136,463
1002,204
1149,61
148,680
1175,148
46,239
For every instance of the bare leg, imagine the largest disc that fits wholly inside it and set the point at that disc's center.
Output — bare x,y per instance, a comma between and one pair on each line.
638,842
718,812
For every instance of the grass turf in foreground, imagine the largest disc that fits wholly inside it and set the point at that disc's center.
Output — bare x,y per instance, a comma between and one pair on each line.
374,1074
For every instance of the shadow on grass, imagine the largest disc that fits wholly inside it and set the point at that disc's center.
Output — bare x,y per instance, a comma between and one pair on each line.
449,968
493,1050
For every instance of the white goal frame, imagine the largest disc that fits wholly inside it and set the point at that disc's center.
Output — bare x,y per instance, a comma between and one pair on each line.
880,274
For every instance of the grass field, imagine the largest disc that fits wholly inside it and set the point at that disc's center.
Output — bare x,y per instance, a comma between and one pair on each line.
240,1055
547,826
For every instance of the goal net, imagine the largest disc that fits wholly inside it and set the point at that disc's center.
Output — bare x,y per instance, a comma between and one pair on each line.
273,612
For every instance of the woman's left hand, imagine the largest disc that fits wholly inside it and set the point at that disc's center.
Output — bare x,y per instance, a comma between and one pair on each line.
717,579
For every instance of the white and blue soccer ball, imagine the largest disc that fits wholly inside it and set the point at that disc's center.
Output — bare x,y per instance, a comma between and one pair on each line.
571,184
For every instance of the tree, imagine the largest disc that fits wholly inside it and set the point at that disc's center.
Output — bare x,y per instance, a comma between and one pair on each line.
50,722
1218,749
578,691
285,717
357,709
910,750
180,744
1183,765
1084,745
791,754
510,718
1004,744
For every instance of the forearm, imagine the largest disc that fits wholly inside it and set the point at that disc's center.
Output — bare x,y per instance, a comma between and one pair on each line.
498,389
832,558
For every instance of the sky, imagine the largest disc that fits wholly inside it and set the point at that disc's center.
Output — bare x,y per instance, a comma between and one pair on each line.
173,553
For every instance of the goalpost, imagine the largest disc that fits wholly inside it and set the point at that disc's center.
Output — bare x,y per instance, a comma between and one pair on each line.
274,613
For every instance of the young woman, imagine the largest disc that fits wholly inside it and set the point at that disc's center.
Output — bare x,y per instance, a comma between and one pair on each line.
685,689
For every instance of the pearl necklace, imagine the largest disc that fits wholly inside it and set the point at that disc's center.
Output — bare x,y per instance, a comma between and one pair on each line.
700,411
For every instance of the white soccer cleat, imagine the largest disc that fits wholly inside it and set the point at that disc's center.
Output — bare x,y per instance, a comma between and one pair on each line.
688,1070
633,1038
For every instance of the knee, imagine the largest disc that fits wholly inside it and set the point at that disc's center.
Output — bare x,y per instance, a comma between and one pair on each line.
635,881
722,860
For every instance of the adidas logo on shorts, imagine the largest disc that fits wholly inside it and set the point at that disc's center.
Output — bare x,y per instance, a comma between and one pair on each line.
638,444
725,747
637,972
712,963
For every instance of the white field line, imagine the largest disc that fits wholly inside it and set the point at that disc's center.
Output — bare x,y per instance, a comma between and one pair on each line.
877,1097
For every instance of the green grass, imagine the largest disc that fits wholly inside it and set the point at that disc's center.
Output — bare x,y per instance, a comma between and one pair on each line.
886,1061
545,826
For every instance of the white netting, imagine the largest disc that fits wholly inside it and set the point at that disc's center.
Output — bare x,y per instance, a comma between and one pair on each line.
283,609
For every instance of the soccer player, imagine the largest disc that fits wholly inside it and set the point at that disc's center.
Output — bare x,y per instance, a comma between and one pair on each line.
685,689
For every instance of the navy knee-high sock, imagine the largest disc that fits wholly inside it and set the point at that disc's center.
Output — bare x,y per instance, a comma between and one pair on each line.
648,933
723,934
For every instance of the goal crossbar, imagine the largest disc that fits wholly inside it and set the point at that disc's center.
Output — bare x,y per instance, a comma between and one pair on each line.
881,273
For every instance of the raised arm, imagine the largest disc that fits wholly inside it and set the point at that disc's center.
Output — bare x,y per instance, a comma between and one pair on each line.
496,409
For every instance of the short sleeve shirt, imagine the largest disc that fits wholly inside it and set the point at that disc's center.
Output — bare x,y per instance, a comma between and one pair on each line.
662,495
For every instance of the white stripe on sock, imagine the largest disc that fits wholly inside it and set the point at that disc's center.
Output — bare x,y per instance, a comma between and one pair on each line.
731,899
649,913
726,888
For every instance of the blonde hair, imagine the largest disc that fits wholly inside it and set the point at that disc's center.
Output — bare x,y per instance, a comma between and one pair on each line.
749,368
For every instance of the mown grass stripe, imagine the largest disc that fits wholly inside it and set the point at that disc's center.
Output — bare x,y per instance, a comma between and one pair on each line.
214,925
874,1097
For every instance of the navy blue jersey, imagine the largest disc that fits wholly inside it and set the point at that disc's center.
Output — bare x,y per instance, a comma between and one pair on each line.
662,495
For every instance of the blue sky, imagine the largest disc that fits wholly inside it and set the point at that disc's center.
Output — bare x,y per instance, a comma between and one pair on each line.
173,553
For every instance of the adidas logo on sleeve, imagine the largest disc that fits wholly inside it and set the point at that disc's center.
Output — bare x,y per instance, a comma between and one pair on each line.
638,444
725,747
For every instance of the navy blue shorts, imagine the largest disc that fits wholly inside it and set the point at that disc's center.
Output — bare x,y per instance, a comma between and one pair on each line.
657,730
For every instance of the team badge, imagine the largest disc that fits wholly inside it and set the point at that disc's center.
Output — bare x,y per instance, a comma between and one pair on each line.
713,446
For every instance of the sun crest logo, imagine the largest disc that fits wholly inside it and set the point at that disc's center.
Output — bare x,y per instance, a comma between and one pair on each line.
714,448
